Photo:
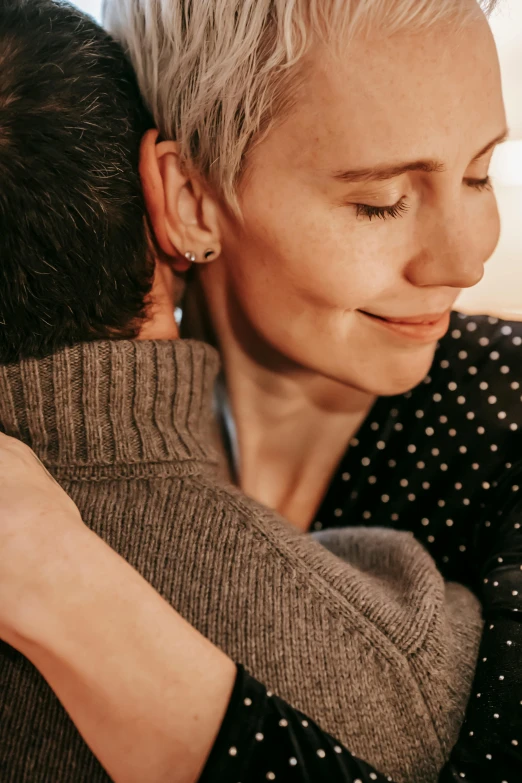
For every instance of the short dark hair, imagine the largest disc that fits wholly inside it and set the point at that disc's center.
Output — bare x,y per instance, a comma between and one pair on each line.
74,258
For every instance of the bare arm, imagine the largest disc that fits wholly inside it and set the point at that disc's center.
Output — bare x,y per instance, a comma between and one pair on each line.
156,704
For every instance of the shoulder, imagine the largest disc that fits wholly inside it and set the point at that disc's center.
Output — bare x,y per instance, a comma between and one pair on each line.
380,582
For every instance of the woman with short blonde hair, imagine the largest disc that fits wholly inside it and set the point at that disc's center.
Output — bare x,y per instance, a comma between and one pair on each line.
324,165
323,168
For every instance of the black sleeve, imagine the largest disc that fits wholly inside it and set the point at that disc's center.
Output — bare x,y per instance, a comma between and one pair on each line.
490,743
262,738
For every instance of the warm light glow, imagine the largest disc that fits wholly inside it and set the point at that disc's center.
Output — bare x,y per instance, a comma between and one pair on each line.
506,167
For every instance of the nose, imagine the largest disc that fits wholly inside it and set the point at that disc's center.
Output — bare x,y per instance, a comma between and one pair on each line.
453,252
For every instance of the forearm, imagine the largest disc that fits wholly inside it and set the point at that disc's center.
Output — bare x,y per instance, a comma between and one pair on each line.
153,709
149,693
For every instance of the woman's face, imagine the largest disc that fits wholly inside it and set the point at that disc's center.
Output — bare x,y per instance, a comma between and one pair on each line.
369,202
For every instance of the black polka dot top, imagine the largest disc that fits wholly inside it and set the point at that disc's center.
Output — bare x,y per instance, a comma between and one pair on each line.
443,461
263,739
429,460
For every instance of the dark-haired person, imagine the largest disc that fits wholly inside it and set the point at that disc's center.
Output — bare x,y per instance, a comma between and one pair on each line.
375,649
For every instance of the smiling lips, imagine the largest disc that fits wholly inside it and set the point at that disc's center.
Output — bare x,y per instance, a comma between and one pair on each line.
419,328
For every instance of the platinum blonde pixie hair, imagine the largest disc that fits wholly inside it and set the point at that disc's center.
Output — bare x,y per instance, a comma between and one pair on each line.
217,74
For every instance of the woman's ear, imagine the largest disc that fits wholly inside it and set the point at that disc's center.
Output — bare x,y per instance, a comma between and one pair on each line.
182,213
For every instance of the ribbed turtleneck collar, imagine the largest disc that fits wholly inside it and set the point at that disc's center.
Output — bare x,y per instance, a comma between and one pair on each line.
109,405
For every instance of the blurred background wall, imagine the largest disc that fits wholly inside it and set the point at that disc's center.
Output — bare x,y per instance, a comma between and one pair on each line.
92,7
500,292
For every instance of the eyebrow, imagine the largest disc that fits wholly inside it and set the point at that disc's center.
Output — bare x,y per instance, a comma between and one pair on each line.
379,173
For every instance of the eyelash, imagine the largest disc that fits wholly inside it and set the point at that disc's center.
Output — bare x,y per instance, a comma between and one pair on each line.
401,207
394,211
479,184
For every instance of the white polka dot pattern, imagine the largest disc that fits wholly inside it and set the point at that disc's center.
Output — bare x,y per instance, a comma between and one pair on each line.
456,439
262,738
455,424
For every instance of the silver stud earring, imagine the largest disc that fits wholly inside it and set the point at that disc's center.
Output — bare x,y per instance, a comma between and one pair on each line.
190,256
209,253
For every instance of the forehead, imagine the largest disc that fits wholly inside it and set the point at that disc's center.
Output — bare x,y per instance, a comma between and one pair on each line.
434,95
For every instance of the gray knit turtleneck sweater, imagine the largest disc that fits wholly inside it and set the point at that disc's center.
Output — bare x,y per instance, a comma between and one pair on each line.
372,646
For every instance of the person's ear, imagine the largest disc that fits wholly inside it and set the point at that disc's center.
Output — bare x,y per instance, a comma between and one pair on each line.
182,213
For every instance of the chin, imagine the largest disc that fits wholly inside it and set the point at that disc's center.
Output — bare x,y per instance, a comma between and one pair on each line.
399,386
404,376
390,375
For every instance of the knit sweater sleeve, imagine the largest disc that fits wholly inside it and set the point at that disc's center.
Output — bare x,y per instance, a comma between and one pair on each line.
263,738
366,638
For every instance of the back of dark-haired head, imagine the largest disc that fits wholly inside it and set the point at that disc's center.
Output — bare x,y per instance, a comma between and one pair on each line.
74,262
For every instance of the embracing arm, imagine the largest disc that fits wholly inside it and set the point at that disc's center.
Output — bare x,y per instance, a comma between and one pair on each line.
148,693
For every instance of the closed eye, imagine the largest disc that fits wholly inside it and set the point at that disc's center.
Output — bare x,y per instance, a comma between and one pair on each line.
479,184
370,212
396,210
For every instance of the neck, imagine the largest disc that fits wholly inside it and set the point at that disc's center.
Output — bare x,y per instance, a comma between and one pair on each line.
160,323
290,426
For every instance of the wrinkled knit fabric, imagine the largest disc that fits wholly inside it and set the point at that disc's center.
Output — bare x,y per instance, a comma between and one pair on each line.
368,641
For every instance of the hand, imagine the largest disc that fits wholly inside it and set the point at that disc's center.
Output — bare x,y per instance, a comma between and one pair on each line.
39,526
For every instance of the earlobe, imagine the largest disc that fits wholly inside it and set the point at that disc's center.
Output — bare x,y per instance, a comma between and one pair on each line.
208,255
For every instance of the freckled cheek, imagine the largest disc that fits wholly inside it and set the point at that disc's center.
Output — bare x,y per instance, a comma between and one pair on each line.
306,255
360,269
351,266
